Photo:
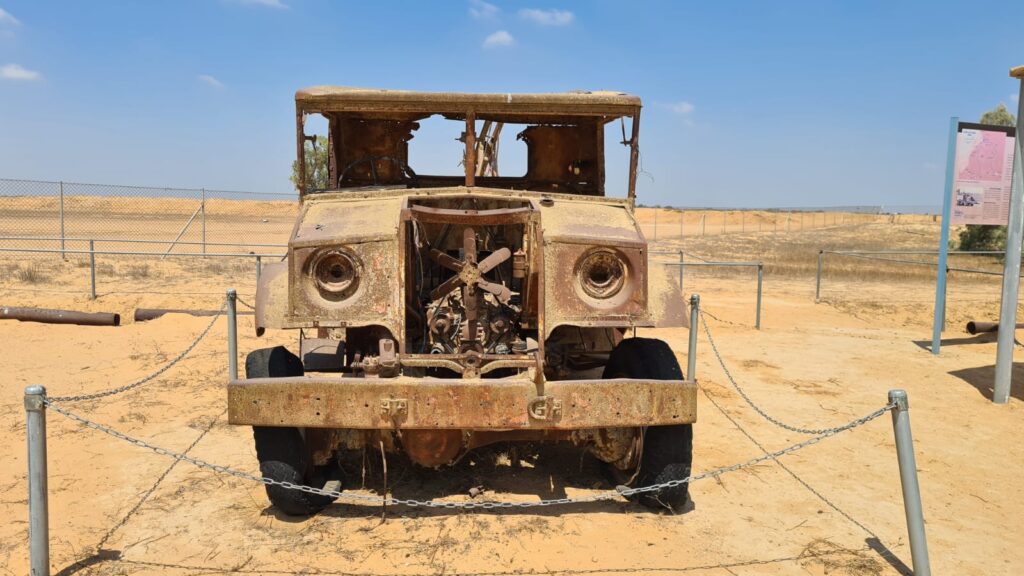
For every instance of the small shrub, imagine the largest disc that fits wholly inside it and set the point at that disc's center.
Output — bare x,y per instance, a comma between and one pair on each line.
30,275
137,271
982,237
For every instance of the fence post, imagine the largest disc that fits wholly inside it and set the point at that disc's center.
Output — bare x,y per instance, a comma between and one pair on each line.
655,224
61,186
681,271
760,281
908,480
232,334
817,278
203,206
38,508
92,269
259,269
703,220
691,354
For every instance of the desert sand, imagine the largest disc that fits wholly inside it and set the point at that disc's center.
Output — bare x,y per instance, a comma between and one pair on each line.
835,508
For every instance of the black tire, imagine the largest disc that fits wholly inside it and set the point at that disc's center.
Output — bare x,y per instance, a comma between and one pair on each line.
667,450
282,451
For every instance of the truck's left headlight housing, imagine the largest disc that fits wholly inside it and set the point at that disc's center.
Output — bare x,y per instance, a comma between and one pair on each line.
336,273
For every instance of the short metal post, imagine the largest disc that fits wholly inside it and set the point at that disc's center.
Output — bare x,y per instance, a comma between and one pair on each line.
908,480
92,269
817,278
259,268
691,354
61,186
680,271
232,335
38,507
203,206
703,221
760,281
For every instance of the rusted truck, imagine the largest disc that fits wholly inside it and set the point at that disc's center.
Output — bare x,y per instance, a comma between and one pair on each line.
438,314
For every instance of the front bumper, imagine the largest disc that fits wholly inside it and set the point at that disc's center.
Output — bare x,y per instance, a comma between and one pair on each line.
477,404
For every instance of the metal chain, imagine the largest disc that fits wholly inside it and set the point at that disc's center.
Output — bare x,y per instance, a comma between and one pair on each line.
743,394
244,303
378,500
152,376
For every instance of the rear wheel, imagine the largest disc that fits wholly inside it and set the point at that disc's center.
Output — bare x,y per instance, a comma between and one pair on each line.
667,450
282,452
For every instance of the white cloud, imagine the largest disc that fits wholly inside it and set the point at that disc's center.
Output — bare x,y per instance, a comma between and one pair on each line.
682,108
7,18
499,38
267,3
551,17
482,10
17,73
211,81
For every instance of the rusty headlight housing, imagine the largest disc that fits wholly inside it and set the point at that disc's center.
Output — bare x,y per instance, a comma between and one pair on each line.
336,273
602,273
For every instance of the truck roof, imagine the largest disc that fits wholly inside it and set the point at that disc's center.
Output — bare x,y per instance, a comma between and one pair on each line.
456,104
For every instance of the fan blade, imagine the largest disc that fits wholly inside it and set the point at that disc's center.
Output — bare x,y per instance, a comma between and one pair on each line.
496,257
501,292
446,287
445,260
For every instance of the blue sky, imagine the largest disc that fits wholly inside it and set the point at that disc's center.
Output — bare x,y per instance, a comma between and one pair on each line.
781,103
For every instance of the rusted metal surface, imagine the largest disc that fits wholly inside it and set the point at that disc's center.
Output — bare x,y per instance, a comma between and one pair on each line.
52,316
479,404
146,314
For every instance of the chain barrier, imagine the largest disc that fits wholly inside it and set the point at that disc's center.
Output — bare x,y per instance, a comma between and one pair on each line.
743,394
244,303
150,377
379,500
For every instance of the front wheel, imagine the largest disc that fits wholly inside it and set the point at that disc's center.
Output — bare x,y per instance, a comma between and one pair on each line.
282,452
667,450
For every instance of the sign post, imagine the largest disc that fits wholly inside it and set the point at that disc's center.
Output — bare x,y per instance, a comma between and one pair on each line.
1011,267
939,320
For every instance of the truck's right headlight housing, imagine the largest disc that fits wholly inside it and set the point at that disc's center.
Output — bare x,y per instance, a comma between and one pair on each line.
602,273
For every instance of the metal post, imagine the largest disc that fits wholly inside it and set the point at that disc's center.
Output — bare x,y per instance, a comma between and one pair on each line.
1011,268
61,185
703,220
908,480
760,281
38,507
691,354
680,271
203,206
232,335
259,268
92,269
655,224
817,279
940,275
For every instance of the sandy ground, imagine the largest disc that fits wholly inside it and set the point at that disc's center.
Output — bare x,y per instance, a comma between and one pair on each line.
118,509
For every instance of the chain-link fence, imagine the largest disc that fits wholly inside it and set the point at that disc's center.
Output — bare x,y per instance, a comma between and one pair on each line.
40,214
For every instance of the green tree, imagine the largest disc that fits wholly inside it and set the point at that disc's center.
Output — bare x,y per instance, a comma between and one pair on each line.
978,236
317,177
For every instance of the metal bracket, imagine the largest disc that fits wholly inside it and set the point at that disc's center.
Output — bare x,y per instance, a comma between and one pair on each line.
545,408
393,408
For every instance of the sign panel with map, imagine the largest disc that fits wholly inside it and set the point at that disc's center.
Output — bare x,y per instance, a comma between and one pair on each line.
983,174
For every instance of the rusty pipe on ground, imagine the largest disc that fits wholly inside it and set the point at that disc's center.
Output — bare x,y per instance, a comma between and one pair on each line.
52,316
975,327
144,314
